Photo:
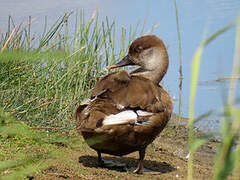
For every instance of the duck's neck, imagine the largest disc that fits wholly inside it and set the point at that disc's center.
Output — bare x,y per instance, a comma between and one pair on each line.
155,69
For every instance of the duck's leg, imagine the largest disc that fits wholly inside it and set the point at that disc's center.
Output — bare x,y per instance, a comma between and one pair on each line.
100,161
110,164
139,169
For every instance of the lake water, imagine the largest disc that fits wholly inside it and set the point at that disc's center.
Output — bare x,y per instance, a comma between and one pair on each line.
197,19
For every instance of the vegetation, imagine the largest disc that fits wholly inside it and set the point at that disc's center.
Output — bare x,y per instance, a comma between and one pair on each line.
43,79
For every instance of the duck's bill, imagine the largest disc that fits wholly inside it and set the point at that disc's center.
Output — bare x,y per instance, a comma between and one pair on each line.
124,62
113,66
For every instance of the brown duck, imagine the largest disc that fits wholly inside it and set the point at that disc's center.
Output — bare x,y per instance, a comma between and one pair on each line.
127,111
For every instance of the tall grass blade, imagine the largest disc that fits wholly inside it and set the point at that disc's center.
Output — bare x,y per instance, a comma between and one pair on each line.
8,40
235,66
228,157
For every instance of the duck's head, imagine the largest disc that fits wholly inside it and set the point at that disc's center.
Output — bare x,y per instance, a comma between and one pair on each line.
150,53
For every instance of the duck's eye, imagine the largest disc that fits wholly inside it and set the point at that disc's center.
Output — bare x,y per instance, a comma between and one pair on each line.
139,49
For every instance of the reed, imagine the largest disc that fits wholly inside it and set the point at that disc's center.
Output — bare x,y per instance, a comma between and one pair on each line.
180,64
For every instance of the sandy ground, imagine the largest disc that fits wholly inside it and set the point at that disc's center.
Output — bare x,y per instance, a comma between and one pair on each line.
165,159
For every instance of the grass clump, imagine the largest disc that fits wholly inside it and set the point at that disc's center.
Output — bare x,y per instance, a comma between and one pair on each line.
43,79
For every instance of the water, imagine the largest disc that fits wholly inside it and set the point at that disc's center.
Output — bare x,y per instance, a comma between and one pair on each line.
197,19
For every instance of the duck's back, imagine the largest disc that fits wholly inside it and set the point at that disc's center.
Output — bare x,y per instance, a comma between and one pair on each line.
125,113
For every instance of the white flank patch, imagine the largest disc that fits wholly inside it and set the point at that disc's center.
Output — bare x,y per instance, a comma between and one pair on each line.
144,113
120,118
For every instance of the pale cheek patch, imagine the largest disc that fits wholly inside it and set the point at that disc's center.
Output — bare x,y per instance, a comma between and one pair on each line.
120,118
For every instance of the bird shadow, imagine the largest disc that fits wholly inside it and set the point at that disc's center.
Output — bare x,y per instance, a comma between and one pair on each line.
130,164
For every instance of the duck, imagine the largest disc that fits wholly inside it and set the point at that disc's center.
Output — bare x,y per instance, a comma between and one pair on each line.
127,111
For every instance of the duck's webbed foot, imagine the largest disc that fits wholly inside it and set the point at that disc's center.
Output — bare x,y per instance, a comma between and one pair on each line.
140,169
110,164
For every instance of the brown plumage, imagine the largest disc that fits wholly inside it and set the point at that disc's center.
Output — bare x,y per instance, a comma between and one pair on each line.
126,111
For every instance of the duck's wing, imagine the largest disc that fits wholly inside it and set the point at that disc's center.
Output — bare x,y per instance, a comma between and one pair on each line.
131,92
